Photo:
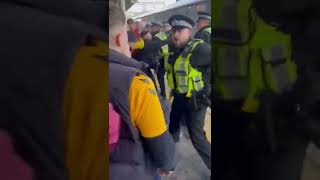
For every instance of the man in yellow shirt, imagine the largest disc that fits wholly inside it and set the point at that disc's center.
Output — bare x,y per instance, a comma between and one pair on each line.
145,144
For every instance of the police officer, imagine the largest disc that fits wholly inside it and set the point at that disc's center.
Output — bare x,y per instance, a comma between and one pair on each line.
188,74
167,29
161,38
255,131
156,29
305,52
204,27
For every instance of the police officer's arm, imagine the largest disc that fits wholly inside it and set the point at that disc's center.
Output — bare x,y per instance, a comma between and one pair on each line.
201,60
160,42
155,38
156,42
155,45
147,116
204,36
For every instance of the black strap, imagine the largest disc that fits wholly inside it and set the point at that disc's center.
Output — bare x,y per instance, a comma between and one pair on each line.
188,49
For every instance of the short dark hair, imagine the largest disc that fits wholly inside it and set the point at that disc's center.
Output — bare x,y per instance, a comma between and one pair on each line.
116,15
130,21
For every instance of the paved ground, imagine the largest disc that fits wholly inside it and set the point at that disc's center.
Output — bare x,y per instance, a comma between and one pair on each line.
312,164
190,165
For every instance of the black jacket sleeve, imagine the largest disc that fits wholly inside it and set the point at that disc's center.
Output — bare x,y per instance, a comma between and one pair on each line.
205,36
162,149
159,43
201,60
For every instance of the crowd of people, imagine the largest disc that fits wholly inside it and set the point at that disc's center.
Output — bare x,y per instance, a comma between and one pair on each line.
151,117
56,87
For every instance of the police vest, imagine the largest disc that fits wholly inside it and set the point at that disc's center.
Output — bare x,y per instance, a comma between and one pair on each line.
232,31
129,151
165,48
273,53
182,77
241,63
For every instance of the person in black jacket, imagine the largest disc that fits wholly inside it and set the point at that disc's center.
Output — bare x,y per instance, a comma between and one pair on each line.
150,52
301,20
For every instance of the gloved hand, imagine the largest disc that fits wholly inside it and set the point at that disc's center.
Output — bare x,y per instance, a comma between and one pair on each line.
203,98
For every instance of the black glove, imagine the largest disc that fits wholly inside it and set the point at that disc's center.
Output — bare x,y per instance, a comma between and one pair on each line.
199,100
203,97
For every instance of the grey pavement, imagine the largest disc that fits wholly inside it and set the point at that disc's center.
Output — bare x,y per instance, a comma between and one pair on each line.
312,164
190,166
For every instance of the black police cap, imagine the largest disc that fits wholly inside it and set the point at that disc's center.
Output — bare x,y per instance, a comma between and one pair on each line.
165,23
155,24
204,15
181,21
148,25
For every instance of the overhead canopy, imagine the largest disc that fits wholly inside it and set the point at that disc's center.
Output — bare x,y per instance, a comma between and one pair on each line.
129,3
147,6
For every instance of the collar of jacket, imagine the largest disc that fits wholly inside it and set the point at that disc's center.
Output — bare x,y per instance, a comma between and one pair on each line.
118,58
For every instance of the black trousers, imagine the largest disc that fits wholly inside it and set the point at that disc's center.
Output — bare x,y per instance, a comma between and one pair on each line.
195,122
230,129
286,164
242,153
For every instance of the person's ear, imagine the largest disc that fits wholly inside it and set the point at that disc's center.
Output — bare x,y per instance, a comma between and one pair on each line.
118,39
